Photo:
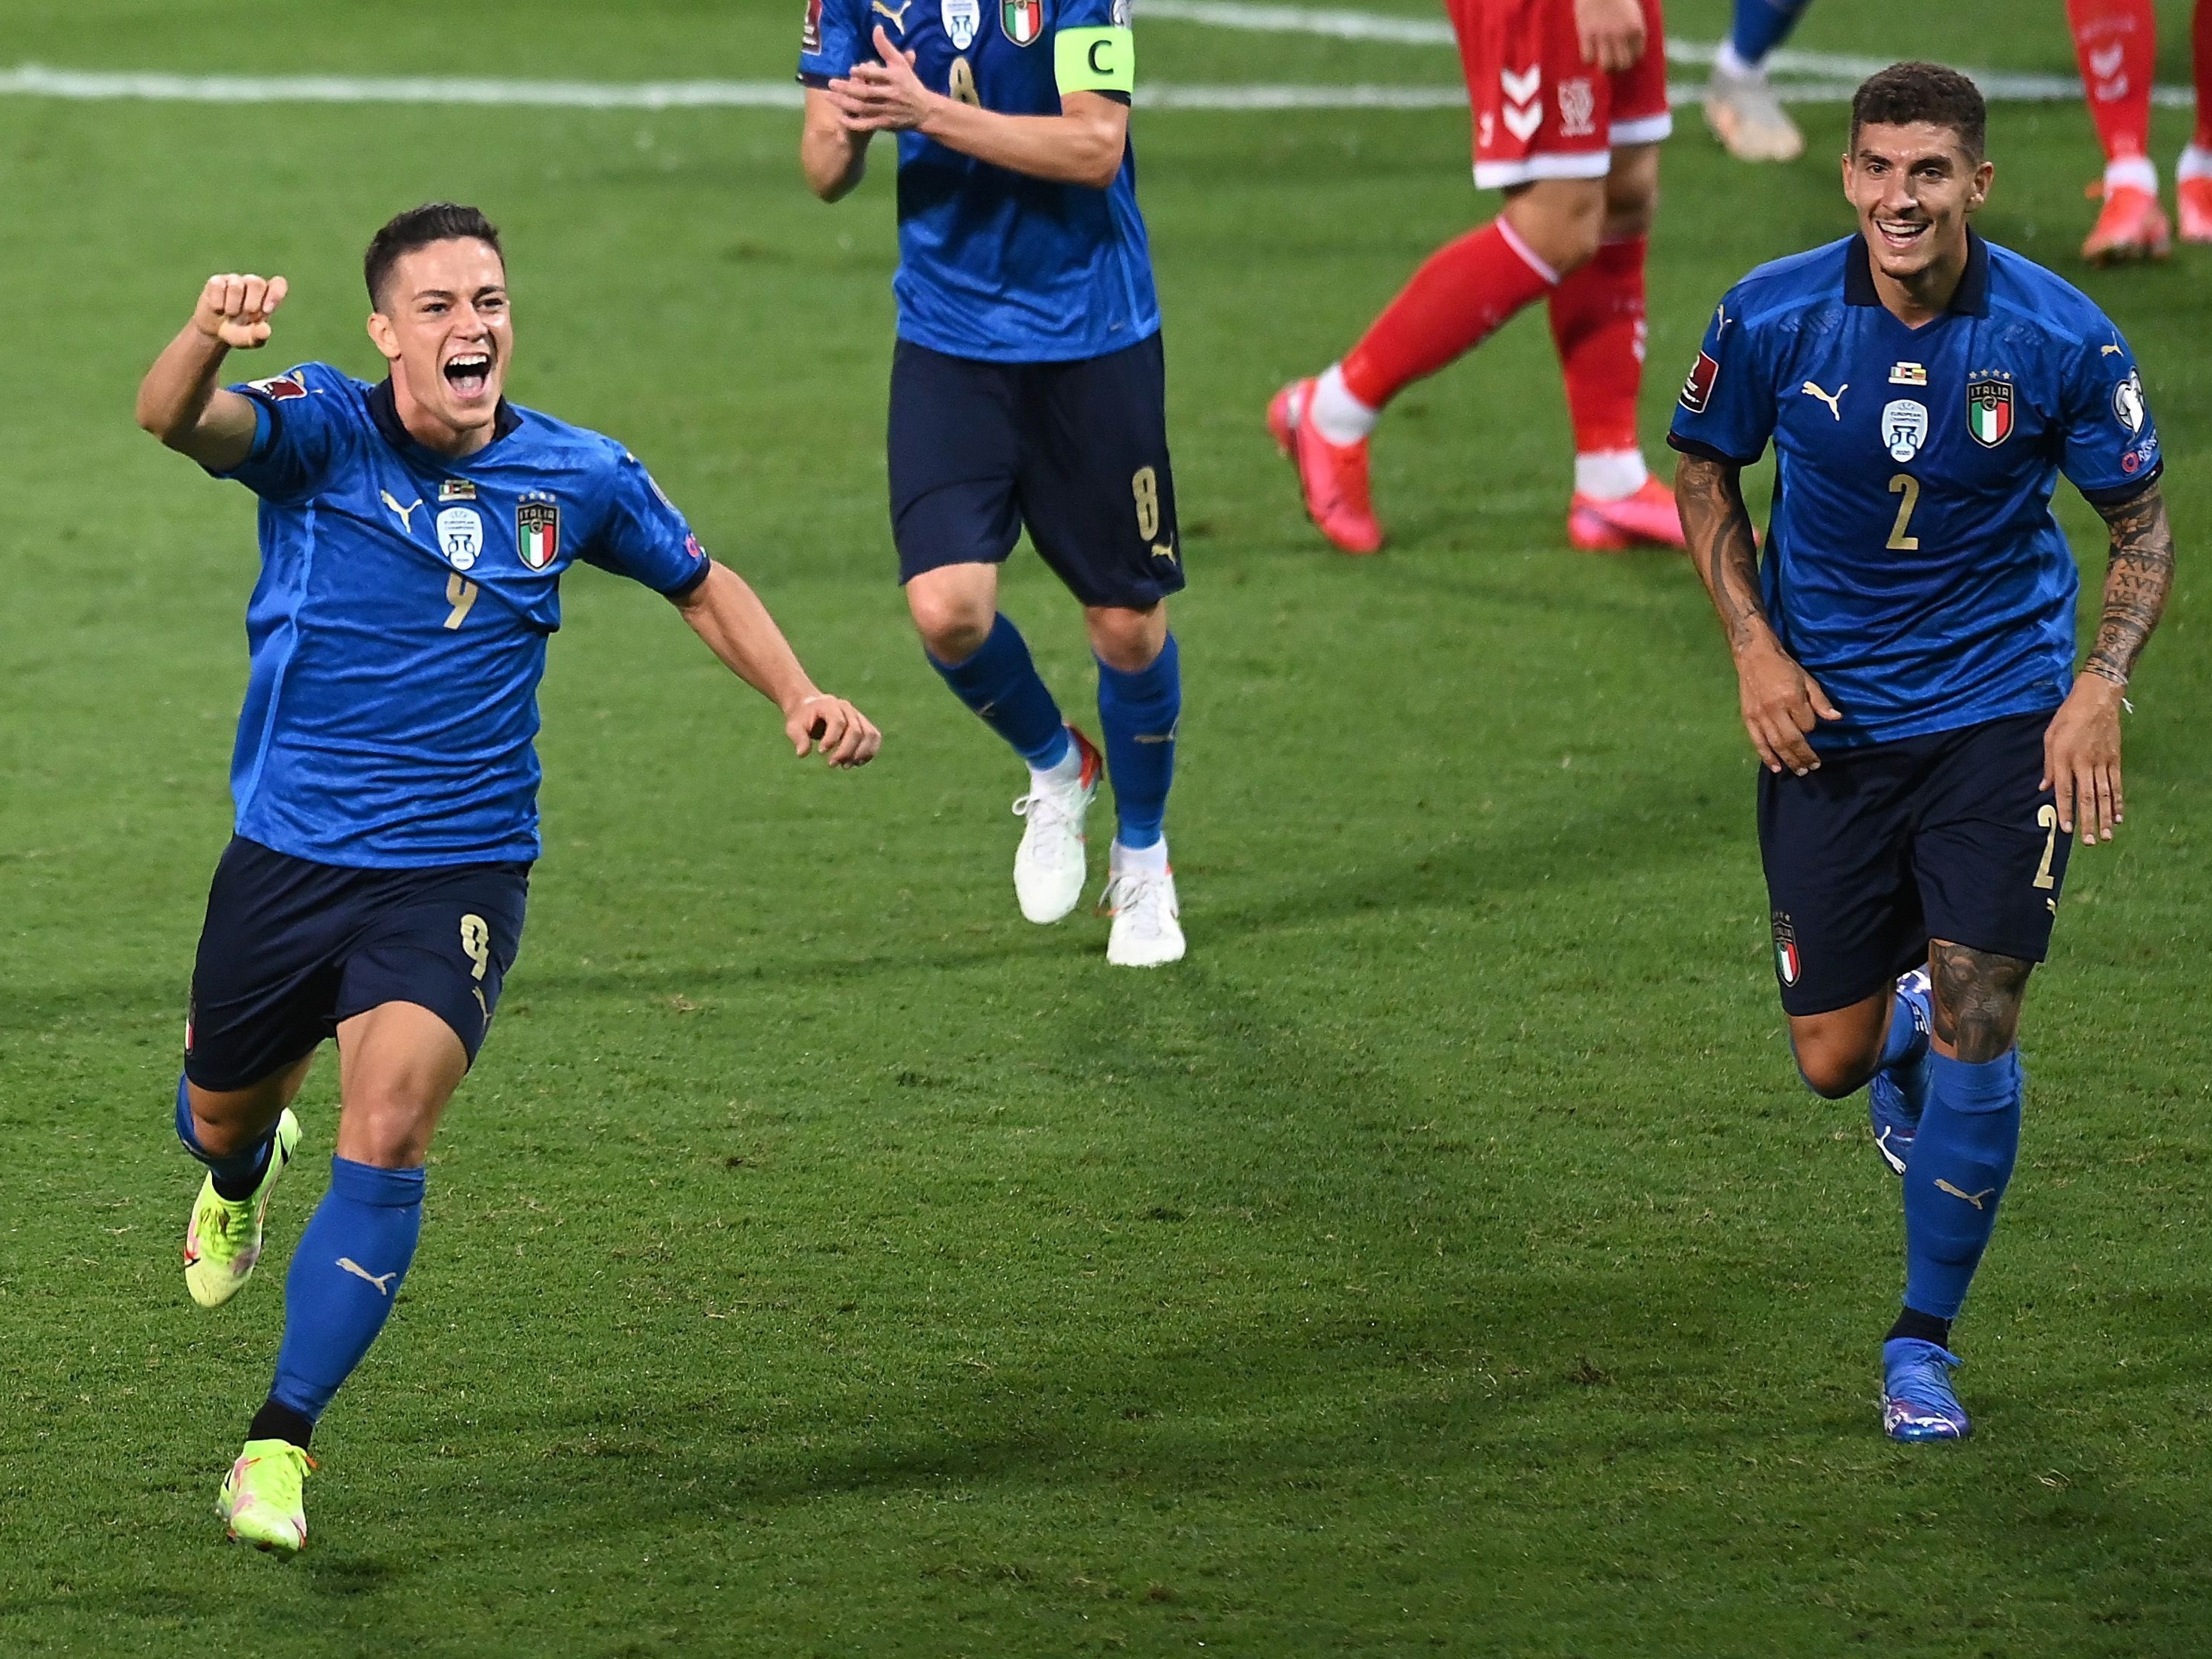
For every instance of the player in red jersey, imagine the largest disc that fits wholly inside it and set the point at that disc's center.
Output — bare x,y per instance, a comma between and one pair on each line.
2116,43
1570,102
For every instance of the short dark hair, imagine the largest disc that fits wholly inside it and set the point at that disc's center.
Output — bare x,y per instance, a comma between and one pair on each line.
1904,94
417,228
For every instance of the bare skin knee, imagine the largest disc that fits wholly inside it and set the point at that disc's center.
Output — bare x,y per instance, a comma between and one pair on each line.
1840,1051
1632,192
1977,997
398,1064
1130,641
953,608
1559,219
228,1121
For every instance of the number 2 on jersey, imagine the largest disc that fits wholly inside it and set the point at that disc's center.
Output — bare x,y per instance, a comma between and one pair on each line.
1906,485
460,593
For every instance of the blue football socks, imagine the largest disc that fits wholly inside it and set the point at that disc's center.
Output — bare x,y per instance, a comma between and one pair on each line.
344,1277
1961,1159
235,1175
1906,1041
1763,25
1138,712
1001,684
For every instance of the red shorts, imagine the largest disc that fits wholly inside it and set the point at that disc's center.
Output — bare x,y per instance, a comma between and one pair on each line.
1540,111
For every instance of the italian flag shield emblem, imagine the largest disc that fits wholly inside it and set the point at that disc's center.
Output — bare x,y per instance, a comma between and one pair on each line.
1988,412
1022,20
537,533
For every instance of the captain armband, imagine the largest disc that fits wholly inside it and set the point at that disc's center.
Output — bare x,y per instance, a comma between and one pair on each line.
1094,60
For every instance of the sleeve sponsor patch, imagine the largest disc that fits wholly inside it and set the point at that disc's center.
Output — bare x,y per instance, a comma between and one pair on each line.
1698,390
2128,402
1094,60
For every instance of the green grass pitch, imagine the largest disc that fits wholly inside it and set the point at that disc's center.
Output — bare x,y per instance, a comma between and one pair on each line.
822,1260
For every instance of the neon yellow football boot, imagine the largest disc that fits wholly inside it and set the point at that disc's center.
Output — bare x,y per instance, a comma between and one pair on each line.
261,1497
224,1239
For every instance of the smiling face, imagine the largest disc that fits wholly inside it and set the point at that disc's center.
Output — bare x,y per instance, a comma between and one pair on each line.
442,323
1914,186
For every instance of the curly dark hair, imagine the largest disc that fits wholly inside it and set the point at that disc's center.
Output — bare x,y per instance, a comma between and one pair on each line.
417,228
1904,94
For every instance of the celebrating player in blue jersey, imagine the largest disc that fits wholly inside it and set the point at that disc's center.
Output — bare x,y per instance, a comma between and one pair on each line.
1027,389
1905,654
413,538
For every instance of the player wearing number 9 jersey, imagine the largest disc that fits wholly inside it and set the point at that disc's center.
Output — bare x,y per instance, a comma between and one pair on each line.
413,538
1027,391
1906,654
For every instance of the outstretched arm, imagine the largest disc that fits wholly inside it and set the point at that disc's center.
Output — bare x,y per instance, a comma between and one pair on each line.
179,401
2082,745
1781,702
1081,145
725,613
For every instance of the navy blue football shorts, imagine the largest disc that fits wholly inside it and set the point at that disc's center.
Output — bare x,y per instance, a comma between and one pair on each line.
1885,848
290,948
1076,452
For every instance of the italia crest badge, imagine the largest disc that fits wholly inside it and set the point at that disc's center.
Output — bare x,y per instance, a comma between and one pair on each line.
1023,20
537,531
1989,412
1787,963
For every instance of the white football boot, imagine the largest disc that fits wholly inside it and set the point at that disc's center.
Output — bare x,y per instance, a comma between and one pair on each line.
1050,865
1140,894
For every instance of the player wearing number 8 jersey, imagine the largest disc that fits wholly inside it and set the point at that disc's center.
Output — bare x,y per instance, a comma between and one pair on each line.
1027,392
1906,654
413,538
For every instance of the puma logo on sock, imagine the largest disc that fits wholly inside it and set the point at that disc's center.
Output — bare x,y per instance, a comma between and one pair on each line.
383,1281
1974,1199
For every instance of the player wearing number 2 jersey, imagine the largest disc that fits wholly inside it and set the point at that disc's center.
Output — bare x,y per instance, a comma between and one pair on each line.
413,538
1906,654
1027,391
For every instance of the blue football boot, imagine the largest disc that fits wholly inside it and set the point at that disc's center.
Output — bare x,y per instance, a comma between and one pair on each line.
1897,1097
1916,1400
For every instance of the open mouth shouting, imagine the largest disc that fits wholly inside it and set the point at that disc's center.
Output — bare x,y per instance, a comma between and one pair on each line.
469,374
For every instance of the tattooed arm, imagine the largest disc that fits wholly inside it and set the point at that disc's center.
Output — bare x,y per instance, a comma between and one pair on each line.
1781,702
2082,746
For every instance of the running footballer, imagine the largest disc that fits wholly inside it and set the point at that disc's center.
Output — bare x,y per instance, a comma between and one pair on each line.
414,534
1905,652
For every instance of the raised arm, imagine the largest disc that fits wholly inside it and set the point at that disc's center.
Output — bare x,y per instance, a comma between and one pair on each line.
179,401
2082,745
1081,145
1781,702
725,613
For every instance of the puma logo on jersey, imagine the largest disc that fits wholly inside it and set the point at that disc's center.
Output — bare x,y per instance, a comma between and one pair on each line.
382,1281
2111,351
1835,404
406,513
1974,1199
898,17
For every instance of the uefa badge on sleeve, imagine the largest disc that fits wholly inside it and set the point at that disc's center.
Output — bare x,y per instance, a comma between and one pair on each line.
1989,412
537,530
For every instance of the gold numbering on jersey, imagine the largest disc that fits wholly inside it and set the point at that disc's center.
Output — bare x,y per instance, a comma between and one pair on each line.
460,593
2046,820
475,941
1146,486
1906,485
961,84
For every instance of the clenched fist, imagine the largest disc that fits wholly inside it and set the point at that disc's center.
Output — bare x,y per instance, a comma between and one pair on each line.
236,309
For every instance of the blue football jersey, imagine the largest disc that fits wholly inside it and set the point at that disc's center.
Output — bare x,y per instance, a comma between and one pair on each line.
993,264
397,631
1913,565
